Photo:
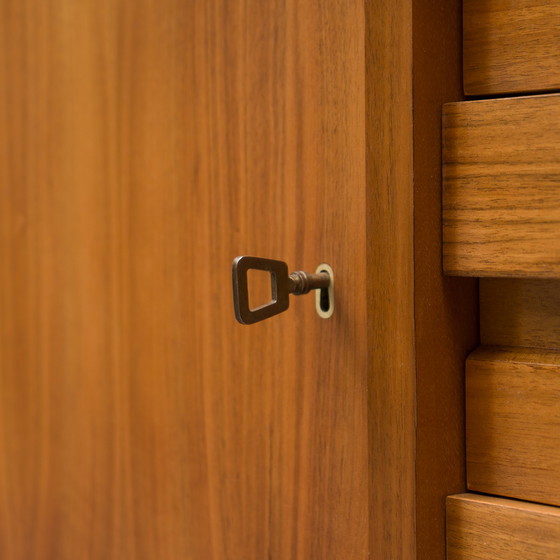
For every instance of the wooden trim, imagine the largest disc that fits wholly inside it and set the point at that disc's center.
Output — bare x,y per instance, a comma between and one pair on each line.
389,177
446,309
416,394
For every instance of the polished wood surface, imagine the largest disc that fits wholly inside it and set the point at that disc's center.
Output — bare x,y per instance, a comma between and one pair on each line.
144,145
501,169
511,46
416,398
445,308
390,228
513,423
489,528
520,312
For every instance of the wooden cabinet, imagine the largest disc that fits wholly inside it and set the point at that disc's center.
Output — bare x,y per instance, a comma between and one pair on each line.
144,144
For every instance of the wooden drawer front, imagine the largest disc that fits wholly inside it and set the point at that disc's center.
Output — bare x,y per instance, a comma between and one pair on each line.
488,528
501,171
511,46
513,423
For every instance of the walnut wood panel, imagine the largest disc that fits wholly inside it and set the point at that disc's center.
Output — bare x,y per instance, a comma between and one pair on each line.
513,423
445,308
520,312
511,46
489,528
392,385
501,169
143,145
416,391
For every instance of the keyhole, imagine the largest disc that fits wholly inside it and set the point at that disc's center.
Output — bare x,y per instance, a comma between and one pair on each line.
324,301
324,298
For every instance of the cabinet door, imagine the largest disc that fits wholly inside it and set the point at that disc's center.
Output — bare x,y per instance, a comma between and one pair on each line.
144,145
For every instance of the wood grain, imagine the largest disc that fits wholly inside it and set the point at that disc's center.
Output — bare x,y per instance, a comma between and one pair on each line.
513,423
392,385
511,46
489,528
445,308
143,145
501,169
416,398
520,312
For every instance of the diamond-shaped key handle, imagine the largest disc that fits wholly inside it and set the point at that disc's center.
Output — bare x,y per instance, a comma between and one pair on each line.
282,283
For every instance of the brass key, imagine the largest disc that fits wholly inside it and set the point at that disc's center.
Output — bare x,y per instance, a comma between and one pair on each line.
283,284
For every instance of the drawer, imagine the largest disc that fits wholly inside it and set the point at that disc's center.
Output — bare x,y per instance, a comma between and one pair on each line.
511,46
513,423
501,187
489,528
